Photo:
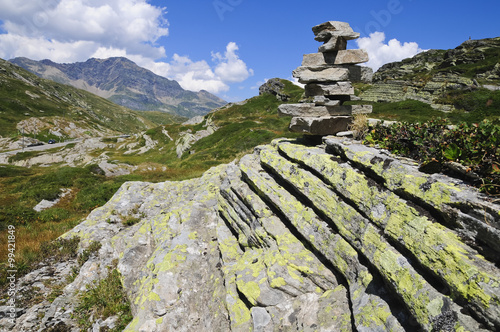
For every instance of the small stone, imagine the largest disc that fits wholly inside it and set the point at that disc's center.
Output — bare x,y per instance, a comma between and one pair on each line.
321,31
349,133
334,34
260,317
334,44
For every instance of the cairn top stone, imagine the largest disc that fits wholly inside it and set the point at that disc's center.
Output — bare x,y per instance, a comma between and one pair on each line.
325,31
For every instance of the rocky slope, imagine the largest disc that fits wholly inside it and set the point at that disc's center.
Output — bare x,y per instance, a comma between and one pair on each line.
124,83
39,106
290,238
430,75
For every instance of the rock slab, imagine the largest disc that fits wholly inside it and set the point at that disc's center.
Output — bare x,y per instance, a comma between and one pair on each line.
292,237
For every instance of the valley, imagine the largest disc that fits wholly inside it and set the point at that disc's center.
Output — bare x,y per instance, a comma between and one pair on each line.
184,179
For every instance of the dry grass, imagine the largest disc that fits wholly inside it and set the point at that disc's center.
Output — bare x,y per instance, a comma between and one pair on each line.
359,126
29,238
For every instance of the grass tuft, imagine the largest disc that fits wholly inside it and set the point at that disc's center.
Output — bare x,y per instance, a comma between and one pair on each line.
104,299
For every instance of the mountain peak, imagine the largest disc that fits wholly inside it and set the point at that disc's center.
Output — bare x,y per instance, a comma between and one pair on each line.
123,82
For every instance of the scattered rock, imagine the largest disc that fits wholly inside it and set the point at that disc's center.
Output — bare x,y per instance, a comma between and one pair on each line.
45,204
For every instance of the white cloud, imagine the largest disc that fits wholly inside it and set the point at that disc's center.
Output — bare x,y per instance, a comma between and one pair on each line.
75,30
381,53
38,48
231,68
200,75
119,23
295,81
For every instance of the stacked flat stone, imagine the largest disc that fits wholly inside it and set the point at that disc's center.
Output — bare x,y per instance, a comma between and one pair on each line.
328,76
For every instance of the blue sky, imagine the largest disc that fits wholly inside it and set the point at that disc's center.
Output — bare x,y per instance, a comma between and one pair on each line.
230,47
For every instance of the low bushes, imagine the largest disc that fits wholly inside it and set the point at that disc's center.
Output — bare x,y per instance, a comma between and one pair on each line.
475,146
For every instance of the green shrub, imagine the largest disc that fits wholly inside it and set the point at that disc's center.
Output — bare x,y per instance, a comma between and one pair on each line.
473,145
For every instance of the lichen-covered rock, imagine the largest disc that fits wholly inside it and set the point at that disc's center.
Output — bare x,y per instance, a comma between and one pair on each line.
338,237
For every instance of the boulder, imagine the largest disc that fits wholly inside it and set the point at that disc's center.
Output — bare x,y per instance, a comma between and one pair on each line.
274,87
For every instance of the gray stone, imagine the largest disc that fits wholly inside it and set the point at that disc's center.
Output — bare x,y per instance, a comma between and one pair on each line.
360,74
335,58
349,133
321,74
478,219
311,110
324,30
335,43
326,74
260,317
334,34
326,125
329,89
292,237
324,101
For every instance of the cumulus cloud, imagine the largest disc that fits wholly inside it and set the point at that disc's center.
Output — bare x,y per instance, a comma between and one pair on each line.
230,67
213,77
119,23
381,53
76,30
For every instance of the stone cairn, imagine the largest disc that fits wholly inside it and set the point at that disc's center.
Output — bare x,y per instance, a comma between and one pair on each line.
328,76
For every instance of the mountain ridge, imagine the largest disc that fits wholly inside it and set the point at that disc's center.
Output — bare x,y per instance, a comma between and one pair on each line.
123,82
55,110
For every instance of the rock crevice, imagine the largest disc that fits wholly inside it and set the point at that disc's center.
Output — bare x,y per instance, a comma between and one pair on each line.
292,238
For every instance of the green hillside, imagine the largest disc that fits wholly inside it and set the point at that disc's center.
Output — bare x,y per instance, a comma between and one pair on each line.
241,127
24,95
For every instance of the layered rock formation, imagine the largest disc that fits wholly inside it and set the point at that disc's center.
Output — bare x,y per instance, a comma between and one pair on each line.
430,75
338,237
328,76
